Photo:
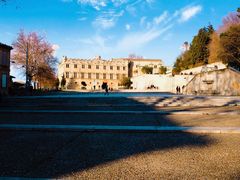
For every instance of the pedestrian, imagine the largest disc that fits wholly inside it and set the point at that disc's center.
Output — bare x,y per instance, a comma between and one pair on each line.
177,89
106,89
183,88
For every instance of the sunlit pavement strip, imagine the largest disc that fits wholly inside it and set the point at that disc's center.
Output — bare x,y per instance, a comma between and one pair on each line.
125,112
93,128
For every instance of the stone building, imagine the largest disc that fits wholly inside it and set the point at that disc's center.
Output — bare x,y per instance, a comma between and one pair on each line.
4,68
94,72
91,74
136,65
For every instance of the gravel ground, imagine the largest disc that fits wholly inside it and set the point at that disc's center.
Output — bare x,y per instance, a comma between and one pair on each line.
119,155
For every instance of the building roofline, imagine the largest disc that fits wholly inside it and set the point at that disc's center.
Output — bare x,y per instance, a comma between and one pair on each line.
129,59
6,46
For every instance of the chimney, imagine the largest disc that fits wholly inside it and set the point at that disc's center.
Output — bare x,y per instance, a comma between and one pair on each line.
98,57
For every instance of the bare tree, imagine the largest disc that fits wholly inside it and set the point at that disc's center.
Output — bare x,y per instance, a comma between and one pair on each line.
230,20
40,55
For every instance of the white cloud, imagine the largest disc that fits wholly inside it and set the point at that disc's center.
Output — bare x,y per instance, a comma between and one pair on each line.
104,23
99,4
139,39
128,27
161,18
142,20
189,12
96,4
119,2
151,28
107,20
55,47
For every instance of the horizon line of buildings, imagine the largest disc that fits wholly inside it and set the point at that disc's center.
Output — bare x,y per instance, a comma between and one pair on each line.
92,73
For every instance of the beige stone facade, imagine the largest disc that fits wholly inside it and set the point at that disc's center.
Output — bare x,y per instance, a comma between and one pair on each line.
93,72
136,65
215,82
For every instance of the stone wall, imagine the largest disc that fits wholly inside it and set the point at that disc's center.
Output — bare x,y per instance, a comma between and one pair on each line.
204,68
161,83
217,82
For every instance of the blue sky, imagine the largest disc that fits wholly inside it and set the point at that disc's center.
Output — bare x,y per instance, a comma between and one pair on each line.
113,28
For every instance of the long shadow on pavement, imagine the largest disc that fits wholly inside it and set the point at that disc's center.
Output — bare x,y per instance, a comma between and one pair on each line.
57,154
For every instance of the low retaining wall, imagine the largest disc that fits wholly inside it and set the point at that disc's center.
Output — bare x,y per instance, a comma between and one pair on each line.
218,82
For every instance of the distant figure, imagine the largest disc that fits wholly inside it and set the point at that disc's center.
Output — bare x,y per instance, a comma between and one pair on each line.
106,89
183,88
177,89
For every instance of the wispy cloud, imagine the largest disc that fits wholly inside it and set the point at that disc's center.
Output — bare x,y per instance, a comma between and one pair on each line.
128,27
107,19
142,20
189,12
149,29
161,18
139,39
96,4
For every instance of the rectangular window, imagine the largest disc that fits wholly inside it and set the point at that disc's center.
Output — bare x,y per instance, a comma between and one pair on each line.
104,67
4,80
104,76
97,75
155,66
111,67
67,65
83,66
89,75
118,68
75,75
118,76
97,66
67,74
124,75
4,58
111,76
82,75
75,65
89,66
124,68
0,56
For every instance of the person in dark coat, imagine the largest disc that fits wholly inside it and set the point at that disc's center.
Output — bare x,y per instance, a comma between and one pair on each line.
106,89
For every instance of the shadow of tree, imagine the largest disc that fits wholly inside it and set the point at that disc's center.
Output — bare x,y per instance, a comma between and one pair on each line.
56,154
